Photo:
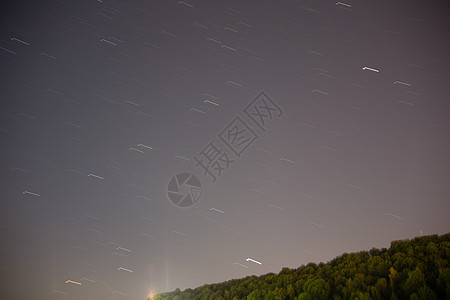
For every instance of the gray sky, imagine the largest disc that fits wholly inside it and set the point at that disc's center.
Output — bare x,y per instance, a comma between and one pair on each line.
102,103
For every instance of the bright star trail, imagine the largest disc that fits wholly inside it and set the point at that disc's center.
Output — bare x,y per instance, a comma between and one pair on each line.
154,145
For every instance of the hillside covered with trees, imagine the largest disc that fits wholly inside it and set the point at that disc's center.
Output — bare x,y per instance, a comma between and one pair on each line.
409,269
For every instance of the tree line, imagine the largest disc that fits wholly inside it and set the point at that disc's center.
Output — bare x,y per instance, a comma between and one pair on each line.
416,269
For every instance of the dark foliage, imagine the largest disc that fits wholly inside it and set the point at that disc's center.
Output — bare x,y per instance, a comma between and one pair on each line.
410,269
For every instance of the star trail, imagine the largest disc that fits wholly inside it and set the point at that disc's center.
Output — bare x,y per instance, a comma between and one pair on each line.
154,145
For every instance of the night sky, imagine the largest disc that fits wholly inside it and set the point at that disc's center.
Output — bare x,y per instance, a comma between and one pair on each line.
153,145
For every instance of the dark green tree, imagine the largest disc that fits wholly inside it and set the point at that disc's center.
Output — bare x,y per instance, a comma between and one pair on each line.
410,269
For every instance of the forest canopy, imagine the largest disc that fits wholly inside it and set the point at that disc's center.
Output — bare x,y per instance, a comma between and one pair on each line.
409,269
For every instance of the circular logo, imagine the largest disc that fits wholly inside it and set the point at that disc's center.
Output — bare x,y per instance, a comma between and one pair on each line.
184,190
